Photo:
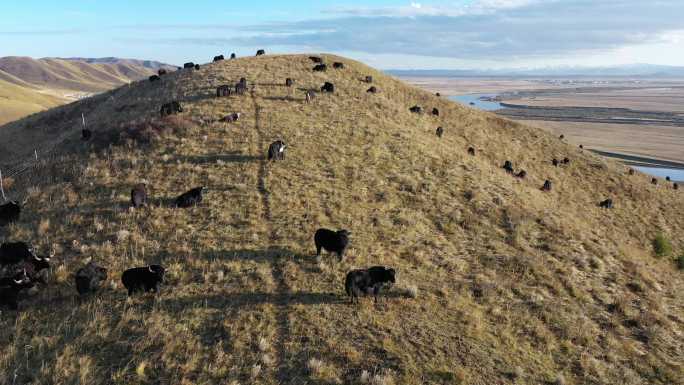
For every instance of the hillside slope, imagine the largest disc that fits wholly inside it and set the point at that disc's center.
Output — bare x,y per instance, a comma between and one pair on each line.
17,101
39,84
498,282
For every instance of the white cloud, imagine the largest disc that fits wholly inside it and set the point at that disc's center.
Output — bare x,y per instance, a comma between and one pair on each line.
477,7
504,30
495,33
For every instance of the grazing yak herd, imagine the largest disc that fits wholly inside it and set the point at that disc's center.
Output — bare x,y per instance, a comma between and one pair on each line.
21,268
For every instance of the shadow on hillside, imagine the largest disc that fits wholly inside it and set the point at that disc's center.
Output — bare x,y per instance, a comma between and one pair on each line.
200,96
111,352
306,262
232,157
284,98
267,255
271,84
247,300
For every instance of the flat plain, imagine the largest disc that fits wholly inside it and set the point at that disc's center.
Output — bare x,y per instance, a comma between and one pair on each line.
651,100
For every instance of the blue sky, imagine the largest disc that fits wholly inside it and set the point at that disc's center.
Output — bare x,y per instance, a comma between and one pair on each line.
383,33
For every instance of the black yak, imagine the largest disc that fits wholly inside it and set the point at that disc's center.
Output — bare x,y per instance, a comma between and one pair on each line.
233,56
234,117
170,108
508,166
439,132
332,241
435,111
191,198
197,67
289,82
189,65
416,109
139,195
521,174
471,151
315,59
328,87
372,90
143,278
17,256
555,162
320,68
546,186
654,181
15,252
223,90
241,86
369,79
276,151
90,278
161,72
261,52
10,288
338,66
154,78
606,204
310,95
218,58
16,278
86,134
9,212
368,281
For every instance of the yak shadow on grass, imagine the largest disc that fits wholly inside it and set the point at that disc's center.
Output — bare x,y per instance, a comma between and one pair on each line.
258,255
284,98
269,255
200,96
231,157
111,352
271,84
250,299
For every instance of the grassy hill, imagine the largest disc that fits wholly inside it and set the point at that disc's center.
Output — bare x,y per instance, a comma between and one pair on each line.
498,282
17,101
30,85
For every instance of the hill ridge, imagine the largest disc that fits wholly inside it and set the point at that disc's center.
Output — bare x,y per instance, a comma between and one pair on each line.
498,282
38,84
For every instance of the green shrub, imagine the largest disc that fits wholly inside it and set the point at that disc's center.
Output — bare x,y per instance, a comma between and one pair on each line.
661,246
680,262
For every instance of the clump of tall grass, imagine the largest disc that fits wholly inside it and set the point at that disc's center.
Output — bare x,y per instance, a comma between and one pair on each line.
661,246
680,262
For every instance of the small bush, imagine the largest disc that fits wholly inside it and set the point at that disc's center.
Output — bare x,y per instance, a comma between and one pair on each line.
412,291
680,262
661,246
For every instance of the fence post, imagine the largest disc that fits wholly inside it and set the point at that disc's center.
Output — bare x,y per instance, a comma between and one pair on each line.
2,189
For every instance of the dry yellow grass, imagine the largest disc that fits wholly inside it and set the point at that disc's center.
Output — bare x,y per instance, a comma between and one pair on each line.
17,101
511,285
31,85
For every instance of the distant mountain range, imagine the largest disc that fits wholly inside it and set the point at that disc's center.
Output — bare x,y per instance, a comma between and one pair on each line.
30,85
632,70
150,64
